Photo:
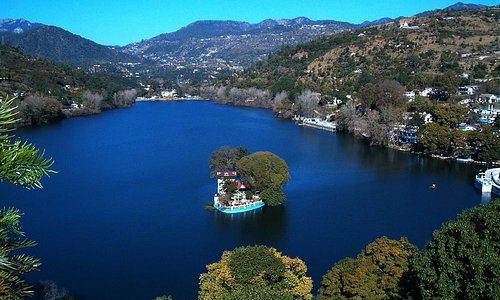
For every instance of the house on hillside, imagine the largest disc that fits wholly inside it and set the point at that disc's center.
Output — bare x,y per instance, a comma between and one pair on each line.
408,135
467,90
410,96
406,25
426,92
169,93
488,98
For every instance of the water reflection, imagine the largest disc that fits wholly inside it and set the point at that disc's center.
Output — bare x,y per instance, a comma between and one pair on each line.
266,225
486,198
383,160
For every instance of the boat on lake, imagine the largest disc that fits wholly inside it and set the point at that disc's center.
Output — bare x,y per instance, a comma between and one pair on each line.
232,195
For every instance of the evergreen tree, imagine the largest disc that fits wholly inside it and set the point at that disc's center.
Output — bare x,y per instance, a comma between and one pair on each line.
24,165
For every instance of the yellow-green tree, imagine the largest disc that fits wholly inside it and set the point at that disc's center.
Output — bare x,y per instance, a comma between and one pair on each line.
375,273
258,272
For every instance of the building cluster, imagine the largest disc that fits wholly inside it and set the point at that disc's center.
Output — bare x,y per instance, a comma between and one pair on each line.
485,108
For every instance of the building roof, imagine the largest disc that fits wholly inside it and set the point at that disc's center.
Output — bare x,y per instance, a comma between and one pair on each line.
226,174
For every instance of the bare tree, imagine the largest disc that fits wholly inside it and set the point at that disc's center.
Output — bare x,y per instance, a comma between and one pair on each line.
279,100
92,101
124,98
238,96
308,103
222,94
346,116
391,94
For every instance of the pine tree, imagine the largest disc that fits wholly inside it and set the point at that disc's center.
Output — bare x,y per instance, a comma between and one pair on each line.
23,165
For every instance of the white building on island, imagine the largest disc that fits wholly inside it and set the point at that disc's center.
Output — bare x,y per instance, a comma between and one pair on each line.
237,201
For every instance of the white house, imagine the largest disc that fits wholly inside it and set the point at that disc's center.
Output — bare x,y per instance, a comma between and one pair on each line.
169,93
410,96
467,90
466,101
406,25
488,98
427,117
426,92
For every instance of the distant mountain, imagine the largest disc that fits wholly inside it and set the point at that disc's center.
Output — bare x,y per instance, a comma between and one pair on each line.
17,25
376,22
61,46
461,5
211,47
456,6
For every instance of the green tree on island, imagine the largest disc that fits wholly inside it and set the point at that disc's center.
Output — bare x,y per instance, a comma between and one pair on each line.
374,274
255,272
266,173
225,158
24,165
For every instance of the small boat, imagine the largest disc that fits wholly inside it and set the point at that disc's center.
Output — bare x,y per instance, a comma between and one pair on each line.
433,186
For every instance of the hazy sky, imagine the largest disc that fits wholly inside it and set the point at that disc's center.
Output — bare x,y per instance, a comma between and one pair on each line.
121,22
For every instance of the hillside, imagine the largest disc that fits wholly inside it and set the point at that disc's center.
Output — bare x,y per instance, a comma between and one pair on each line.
443,50
61,46
213,46
40,82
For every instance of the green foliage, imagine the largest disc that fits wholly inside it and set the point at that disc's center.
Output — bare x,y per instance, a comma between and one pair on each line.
421,104
435,138
263,170
449,114
487,143
381,53
246,263
255,272
463,259
273,197
258,293
225,158
375,274
53,86
12,265
24,165
21,163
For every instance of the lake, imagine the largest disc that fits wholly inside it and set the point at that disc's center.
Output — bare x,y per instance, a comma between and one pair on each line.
124,217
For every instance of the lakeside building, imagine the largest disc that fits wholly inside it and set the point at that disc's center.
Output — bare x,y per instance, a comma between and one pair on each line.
237,201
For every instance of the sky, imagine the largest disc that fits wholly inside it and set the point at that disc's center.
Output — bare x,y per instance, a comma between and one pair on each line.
120,22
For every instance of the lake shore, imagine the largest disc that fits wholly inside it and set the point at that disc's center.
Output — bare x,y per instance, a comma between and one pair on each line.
194,98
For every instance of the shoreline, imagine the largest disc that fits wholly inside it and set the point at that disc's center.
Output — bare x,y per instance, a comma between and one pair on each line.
393,147
196,98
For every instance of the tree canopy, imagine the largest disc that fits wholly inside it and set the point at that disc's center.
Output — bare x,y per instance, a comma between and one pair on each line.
374,274
463,259
449,114
225,158
265,172
255,272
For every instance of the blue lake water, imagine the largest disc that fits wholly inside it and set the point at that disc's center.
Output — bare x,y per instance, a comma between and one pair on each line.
123,218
